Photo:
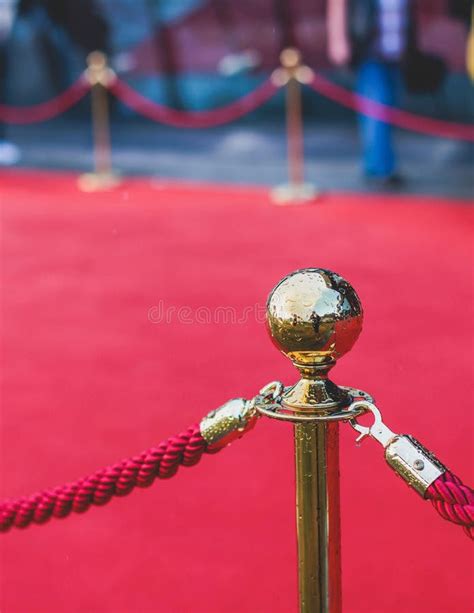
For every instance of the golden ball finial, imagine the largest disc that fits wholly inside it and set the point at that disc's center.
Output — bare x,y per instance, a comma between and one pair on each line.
290,58
314,316
97,60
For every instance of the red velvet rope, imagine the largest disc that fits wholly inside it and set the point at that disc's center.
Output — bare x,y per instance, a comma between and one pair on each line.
46,110
248,103
196,119
388,114
160,462
453,500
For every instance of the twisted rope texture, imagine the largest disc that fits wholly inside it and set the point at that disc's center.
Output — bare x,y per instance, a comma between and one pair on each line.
160,462
453,500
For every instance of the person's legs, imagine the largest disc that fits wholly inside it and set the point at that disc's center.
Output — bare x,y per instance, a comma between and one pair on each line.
9,153
3,82
377,81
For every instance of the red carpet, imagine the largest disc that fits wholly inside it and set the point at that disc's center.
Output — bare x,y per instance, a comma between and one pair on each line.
88,379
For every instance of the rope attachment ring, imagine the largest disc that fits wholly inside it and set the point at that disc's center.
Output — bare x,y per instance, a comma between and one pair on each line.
269,403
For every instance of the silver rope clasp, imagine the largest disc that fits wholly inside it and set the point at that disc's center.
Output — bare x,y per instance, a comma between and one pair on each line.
404,454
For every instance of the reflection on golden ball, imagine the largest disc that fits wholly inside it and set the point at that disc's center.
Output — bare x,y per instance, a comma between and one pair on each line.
314,316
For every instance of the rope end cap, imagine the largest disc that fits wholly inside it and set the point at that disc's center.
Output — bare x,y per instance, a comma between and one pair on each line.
228,423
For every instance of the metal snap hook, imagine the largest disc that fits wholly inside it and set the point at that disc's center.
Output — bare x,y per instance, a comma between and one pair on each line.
365,431
378,430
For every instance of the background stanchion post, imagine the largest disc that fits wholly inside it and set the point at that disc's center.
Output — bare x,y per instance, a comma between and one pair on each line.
292,73
99,76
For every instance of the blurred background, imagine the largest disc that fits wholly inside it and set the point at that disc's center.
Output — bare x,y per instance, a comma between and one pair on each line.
197,54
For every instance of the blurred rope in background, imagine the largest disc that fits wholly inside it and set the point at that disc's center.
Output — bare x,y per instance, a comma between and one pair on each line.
196,54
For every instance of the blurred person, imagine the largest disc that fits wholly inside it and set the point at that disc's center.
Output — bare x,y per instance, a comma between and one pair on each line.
464,11
470,49
65,31
9,153
373,36
82,21
461,9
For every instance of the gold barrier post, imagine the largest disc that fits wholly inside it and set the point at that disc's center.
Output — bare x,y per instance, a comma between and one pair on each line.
314,317
99,75
292,74
317,513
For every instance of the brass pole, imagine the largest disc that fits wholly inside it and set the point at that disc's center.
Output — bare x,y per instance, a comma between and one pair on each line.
317,517
292,73
99,75
101,130
294,131
314,317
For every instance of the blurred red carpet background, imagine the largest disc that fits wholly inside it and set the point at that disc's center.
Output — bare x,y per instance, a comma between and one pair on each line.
89,379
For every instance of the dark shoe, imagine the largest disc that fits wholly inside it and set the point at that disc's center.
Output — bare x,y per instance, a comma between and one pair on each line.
393,181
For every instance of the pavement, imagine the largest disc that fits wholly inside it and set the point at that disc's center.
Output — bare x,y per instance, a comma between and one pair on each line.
251,152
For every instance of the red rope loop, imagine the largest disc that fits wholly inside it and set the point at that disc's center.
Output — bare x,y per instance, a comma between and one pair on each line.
453,500
195,119
160,462
388,114
46,110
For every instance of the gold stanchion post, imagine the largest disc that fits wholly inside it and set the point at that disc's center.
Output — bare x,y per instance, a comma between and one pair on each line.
99,76
292,74
314,317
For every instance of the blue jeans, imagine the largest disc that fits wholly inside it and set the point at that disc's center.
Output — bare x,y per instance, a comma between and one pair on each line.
3,81
379,81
